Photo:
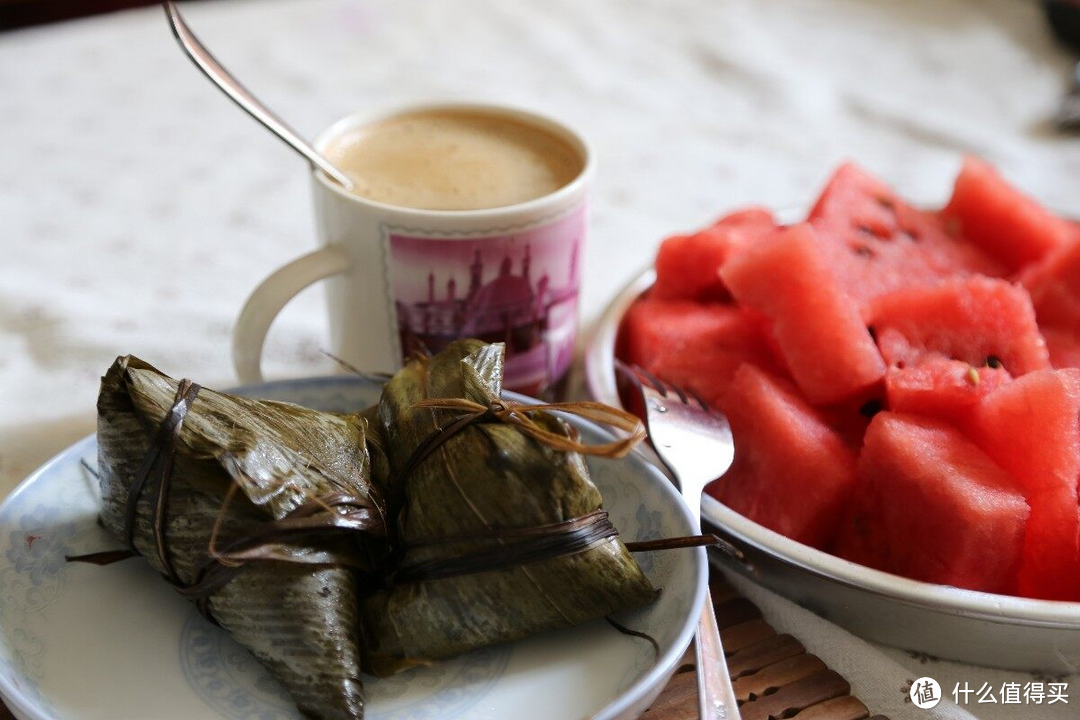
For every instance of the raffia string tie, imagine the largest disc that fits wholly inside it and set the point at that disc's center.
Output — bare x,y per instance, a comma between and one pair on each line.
160,457
519,546
516,414
319,518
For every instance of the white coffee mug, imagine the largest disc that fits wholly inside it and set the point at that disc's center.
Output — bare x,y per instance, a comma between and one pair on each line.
401,280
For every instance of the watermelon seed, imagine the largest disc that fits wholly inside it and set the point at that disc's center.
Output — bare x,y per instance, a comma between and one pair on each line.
877,234
873,333
886,202
863,251
993,361
870,408
973,376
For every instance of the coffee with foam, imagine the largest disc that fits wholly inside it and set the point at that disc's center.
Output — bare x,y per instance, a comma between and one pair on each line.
454,160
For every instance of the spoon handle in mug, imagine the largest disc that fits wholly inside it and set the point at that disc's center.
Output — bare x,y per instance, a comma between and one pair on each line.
229,85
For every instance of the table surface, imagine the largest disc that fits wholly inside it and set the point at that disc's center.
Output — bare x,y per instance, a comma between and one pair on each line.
140,208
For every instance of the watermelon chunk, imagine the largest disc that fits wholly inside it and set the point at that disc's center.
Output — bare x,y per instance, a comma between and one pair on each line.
941,388
819,332
950,345
878,243
1050,569
932,506
1054,286
972,321
696,346
688,266
1031,428
652,326
792,473
1000,219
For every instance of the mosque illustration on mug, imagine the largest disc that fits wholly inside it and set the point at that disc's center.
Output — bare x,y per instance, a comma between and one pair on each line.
520,289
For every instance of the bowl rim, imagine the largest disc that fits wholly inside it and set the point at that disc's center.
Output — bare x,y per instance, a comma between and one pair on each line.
947,599
663,667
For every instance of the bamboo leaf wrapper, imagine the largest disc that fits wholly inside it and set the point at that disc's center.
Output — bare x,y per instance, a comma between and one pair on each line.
484,478
298,614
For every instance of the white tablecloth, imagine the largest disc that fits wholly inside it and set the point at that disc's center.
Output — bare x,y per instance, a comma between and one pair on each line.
138,207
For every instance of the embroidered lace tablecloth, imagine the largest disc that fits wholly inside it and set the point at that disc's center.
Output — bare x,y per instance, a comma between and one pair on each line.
138,207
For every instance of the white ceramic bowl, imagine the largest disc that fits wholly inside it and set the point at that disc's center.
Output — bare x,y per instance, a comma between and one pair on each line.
943,621
80,641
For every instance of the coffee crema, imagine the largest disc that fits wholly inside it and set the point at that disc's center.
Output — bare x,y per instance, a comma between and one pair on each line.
454,160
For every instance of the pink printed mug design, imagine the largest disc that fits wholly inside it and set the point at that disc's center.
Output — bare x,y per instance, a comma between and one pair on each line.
518,287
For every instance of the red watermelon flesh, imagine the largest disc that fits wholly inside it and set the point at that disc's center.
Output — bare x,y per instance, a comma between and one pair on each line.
696,346
849,419
1031,427
878,243
941,388
819,332
932,506
800,492
1000,219
688,266
950,343
652,326
1064,347
753,220
977,321
1050,569
1054,286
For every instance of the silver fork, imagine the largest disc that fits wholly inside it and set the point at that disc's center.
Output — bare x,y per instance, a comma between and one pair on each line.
695,444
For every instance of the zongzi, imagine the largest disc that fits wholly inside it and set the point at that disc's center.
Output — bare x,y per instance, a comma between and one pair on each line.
498,536
442,520
240,503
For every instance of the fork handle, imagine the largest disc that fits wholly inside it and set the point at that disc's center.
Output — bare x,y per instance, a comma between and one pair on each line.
716,697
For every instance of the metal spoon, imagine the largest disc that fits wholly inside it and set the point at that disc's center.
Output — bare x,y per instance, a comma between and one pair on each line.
239,94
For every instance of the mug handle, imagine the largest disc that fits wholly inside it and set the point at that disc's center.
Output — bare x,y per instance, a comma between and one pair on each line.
270,297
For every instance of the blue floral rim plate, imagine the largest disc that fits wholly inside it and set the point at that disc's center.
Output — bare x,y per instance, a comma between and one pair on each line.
80,641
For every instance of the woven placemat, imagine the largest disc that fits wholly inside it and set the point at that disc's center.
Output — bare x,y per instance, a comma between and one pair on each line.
773,676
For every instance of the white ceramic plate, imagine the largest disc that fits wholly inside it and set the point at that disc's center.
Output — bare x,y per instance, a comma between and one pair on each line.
80,641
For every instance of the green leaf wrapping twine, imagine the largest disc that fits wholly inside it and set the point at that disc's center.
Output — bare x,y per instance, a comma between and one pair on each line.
238,465
485,478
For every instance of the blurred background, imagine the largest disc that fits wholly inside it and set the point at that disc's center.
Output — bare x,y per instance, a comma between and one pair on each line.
20,13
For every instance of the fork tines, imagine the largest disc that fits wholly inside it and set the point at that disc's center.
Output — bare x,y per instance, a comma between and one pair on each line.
646,379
